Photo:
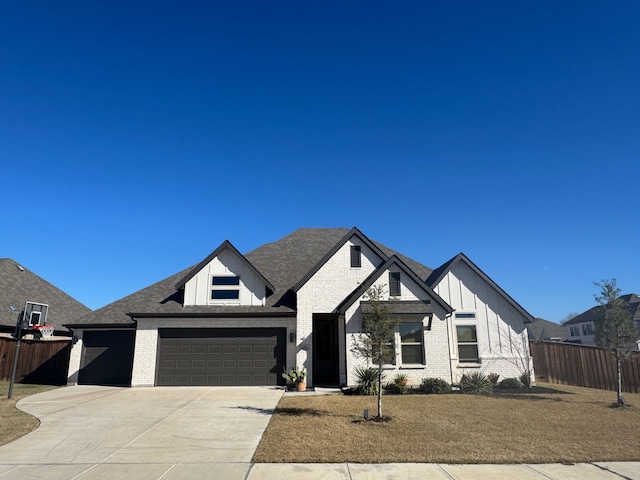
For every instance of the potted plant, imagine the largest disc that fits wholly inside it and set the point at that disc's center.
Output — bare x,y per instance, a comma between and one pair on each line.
401,379
296,376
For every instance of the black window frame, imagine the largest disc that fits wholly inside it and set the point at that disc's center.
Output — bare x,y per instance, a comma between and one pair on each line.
394,284
356,256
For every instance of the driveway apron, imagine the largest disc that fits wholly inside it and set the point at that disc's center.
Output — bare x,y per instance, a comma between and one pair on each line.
91,432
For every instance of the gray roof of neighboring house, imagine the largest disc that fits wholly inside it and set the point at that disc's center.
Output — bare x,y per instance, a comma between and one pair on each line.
542,329
283,263
631,299
19,284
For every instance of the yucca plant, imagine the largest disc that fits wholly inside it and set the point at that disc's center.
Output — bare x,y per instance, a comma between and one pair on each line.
475,383
367,379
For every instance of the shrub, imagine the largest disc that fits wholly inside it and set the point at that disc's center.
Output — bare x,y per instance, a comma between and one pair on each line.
367,379
525,379
493,378
395,388
475,383
435,385
510,383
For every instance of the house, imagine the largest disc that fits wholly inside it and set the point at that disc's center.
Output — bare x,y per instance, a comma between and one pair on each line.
546,331
581,328
237,319
19,285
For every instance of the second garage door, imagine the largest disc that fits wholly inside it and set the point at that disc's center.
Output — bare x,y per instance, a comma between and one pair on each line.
217,356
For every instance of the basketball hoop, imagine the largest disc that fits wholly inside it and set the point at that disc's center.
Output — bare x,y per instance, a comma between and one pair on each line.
46,331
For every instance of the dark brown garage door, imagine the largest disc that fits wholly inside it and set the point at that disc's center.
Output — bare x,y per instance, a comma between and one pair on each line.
219,356
107,357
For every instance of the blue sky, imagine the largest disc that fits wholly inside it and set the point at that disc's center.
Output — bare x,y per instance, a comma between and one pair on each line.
135,137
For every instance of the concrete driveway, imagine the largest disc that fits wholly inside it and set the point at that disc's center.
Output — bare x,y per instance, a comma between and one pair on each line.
91,432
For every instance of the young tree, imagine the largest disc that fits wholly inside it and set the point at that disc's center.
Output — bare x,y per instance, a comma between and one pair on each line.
375,344
614,329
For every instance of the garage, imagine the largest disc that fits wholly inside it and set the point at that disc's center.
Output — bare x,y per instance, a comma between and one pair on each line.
107,357
220,356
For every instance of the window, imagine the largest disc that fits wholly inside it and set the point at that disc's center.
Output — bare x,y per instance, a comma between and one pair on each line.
356,256
394,284
467,344
574,331
411,337
587,329
225,287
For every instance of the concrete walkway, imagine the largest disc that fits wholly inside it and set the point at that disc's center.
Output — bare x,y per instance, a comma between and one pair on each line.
93,433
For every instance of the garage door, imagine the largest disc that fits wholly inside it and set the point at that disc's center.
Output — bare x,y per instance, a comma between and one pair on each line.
218,356
107,357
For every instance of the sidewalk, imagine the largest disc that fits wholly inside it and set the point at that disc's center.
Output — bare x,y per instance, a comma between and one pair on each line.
433,471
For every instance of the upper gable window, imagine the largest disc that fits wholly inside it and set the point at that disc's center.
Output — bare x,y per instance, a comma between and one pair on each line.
394,284
356,256
225,288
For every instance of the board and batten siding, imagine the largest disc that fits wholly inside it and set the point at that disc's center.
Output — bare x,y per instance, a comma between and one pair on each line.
197,291
499,326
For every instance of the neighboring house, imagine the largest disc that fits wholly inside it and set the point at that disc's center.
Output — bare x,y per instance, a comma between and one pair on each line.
581,328
237,319
19,285
546,331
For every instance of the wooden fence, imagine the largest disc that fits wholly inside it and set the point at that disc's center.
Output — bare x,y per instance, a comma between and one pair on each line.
41,361
583,366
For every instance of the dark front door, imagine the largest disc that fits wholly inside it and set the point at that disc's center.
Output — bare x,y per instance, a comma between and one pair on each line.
325,349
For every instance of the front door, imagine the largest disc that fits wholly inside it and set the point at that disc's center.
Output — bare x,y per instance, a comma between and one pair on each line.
325,349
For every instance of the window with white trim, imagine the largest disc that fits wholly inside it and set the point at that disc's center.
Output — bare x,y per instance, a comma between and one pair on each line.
411,343
467,338
225,288
587,329
574,331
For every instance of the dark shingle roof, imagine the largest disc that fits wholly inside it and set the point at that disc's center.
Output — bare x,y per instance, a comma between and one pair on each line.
542,329
283,263
631,299
18,285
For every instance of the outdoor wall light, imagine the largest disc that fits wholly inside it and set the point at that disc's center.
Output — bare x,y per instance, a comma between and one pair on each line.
292,337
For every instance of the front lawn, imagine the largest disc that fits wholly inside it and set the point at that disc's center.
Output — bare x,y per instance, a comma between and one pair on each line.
554,424
16,423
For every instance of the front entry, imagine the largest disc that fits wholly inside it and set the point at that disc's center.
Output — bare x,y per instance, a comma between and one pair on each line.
325,349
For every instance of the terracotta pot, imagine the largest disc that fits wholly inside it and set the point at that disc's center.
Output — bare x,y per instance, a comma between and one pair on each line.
301,386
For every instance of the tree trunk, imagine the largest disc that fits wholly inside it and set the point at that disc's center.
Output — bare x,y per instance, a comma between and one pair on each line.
380,389
619,379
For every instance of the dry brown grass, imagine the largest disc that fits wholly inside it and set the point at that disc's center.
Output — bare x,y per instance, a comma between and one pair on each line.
16,423
558,424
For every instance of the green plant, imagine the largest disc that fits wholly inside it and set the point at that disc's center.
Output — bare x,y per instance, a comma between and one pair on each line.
295,375
368,380
400,379
493,378
435,385
510,383
525,379
395,388
475,383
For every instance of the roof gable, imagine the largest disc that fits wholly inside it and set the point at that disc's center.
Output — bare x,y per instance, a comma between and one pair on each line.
371,279
225,245
18,285
353,232
439,273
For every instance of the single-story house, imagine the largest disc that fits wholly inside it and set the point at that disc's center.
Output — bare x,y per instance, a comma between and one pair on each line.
546,331
240,319
581,328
